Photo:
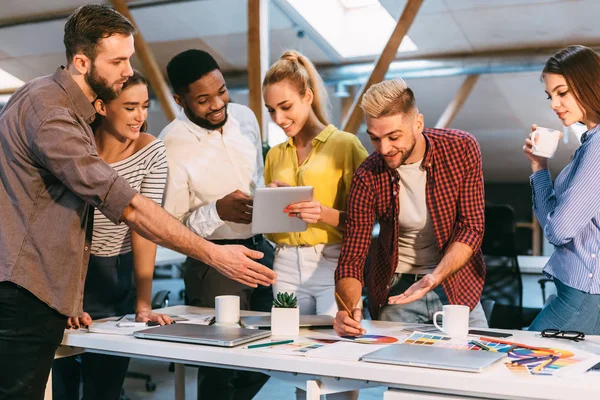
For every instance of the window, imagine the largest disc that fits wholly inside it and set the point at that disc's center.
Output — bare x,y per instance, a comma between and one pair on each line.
7,81
354,28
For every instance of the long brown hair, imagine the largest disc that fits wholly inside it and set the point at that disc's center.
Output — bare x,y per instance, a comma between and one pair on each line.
136,79
301,73
580,66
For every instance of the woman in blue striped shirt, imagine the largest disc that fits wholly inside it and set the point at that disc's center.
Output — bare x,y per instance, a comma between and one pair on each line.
121,266
569,210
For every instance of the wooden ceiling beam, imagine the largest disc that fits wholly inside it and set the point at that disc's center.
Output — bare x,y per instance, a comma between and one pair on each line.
258,60
150,66
456,104
355,116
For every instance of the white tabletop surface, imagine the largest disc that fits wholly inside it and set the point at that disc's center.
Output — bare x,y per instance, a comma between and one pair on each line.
496,382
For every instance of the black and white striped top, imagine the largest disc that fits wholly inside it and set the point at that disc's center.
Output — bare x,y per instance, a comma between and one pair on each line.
146,172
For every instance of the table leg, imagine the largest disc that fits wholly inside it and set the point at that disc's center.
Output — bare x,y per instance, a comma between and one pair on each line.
313,391
48,392
179,381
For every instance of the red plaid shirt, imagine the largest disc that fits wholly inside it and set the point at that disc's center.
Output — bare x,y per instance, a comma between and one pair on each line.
455,201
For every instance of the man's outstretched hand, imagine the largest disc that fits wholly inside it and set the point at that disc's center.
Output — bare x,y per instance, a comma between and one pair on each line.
416,291
236,262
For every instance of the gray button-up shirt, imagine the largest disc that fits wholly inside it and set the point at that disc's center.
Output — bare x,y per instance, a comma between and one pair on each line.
50,176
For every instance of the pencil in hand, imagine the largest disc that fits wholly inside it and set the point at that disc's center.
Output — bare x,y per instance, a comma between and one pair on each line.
347,309
340,301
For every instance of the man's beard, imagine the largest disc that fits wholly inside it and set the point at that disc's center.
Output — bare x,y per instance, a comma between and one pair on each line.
204,123
100,85
405,155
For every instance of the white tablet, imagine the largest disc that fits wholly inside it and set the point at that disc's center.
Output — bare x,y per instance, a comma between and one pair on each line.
268,205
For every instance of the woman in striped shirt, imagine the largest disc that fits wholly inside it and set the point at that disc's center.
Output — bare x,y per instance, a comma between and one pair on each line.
569,211
121,266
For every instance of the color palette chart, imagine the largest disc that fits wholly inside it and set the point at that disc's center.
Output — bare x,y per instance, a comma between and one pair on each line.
564,359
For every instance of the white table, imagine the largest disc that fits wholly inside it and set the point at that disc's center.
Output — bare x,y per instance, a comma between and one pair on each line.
532,264
321,376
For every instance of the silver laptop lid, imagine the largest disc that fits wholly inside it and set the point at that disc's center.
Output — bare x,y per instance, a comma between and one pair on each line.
202,334
306,321
434,357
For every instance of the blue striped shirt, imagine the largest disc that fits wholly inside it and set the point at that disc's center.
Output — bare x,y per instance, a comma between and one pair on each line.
569,213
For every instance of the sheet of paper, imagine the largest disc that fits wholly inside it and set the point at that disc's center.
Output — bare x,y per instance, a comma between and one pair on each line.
112,328
346,351
198,319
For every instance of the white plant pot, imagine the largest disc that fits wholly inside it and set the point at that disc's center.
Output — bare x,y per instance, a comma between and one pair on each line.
285,321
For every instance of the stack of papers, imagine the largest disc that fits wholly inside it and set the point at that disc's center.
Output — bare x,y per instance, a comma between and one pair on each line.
126,325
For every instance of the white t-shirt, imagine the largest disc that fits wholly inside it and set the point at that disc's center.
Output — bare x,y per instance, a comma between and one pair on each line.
206,165
417,248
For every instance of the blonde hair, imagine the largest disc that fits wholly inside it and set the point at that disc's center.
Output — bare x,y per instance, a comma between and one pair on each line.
301,73
388,98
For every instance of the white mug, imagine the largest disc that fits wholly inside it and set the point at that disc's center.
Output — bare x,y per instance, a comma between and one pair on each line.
455,320
545,141
227,310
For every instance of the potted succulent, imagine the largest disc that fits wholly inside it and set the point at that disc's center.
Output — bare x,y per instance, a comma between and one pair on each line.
285,315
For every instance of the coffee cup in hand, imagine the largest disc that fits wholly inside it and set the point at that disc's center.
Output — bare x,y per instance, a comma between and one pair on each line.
545,142
455,320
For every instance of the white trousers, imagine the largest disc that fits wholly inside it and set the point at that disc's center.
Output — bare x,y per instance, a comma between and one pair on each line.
308,273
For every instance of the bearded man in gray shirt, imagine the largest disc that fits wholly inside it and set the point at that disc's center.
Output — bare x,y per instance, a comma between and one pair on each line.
50,178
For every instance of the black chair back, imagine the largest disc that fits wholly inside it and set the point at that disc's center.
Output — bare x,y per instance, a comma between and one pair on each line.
503,282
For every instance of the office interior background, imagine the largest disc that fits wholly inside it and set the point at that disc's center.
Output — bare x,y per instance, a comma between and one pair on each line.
474,65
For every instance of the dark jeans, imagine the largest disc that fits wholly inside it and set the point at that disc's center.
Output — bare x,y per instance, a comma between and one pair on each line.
202,284
109,291
30,332
102,376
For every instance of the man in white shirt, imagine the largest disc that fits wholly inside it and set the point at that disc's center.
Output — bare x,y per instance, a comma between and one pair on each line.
214,152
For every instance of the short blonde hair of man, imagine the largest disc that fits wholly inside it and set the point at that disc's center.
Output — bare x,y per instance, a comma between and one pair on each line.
387,98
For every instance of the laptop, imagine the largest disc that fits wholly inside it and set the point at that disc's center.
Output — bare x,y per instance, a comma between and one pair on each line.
268,205
202,334
434,357
306,321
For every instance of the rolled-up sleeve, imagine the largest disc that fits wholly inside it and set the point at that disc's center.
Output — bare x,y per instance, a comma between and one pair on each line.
359,227
471,204
69,153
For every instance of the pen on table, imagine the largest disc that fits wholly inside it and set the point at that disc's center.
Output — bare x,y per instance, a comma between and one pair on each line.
545,364
256,346
524,346
529,360
137,324
483,346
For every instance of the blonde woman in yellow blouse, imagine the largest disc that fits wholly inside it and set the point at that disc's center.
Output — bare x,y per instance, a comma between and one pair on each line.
316,154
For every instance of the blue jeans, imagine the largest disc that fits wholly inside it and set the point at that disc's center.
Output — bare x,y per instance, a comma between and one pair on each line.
421,311
571,310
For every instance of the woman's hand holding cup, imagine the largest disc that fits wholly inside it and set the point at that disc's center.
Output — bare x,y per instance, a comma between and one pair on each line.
538,163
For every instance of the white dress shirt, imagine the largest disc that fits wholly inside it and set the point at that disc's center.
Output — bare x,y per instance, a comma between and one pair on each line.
205,166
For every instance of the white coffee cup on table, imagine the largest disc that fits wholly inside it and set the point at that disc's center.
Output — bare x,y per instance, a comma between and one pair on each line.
545,141
227,310
455,320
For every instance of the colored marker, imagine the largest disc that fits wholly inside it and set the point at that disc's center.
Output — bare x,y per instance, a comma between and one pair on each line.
256,346
483,346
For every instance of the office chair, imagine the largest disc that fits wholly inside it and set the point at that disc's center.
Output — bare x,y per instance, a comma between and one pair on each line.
503,282
160,300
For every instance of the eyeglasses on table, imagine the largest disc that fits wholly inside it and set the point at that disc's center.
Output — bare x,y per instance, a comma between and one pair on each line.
558,334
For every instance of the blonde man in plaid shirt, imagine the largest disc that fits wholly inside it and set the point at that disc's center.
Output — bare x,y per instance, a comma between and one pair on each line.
425,188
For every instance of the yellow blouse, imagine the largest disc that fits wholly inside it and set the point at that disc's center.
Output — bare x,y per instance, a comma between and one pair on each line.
329,168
